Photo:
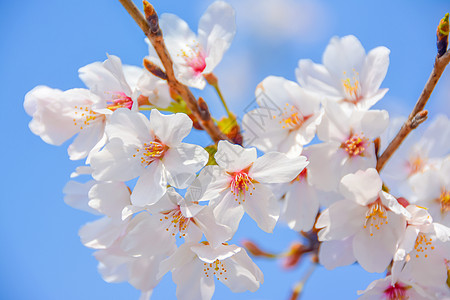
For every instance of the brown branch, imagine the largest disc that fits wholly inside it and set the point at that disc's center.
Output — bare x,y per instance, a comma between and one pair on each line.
418,114
150,26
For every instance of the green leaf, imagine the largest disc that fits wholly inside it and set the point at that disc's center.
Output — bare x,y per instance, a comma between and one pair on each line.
212,149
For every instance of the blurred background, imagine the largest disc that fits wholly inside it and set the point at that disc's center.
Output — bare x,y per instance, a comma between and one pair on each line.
46,41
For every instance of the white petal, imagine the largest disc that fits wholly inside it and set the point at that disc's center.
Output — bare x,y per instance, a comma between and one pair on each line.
262,206
362,187
150,187
228,212
342,219
86,140
133,128
276,167
374,70
216,30
183,162
211,181
170,129
102,233
337,253
234,157
109,198
216,234
76,195
209,254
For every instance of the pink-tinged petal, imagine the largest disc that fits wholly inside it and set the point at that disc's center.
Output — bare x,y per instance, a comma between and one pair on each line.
193,234
209,254
114,65
99,80
262,206
183,162
362,187
407,243
191,282
132,75
390,202
300,206
114,162
426,185
210,183
324,169
150,187
375,248
216,234
143,274
86,140
113,264
145,295
109,198
242,277
176,30
76,195
102,233
368,102
228,212
342,219
333,254
216,30
374,70
276,167
180,257
242,259
442,232
234,158
260,129
170,129
144,228
53,112
429,271
374,122
335,123
316,78
343,54
133,128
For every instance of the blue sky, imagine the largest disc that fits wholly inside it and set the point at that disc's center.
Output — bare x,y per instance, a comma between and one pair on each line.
46,41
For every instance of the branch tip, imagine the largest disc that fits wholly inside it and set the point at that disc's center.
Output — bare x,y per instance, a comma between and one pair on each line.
154,69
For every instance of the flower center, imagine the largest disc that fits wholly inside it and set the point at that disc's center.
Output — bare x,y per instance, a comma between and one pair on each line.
396,292
241,184
302,176
119,100
217,268
176,222
150,151
375,217
195,58
355,145
423,245
444,199
291,118
352,87
85,116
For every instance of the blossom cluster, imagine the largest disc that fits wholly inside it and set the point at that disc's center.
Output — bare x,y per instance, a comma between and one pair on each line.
170,206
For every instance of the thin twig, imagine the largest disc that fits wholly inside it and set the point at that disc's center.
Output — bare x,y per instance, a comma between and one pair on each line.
298,288
418,115
150,26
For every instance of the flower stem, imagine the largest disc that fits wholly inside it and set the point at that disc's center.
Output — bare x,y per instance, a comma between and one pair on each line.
214,82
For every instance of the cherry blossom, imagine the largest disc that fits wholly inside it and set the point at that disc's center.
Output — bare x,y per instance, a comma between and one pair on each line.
402,289
348,144
374,219
172,217
347,75
194,267
197,55
288,129
59,115
424,249
240,184
432,190
151,150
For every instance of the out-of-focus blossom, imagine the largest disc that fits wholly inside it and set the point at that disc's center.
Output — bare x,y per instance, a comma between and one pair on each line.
347,75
